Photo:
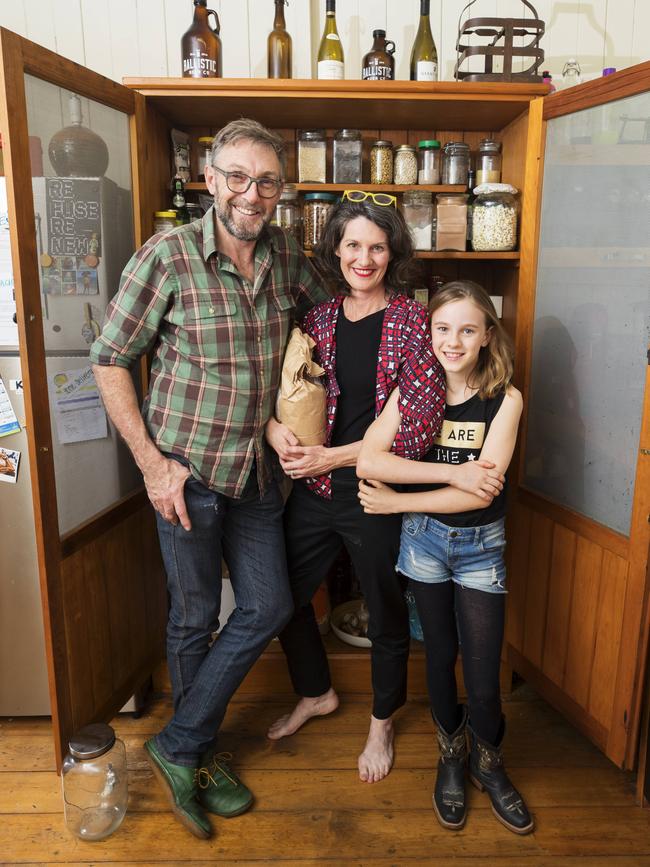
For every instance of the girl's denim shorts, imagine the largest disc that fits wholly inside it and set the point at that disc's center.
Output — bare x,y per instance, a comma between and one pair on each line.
433,552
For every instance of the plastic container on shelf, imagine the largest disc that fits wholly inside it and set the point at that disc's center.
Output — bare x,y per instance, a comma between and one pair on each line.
455,163
348,151
405,165
429,161
315,212
381,162
164,220
494,218
94,781
488,162
417,207
312,156
288,213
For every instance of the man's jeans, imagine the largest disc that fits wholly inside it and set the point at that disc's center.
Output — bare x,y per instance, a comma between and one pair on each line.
204,675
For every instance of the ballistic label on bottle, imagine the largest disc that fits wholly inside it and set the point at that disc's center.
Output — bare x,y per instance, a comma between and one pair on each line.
426,70
201,64
377,73
331,69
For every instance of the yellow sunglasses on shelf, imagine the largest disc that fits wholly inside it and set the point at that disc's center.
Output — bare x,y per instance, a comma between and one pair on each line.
361,196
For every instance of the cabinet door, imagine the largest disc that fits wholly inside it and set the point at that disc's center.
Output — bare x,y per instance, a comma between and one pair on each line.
70,148
577,626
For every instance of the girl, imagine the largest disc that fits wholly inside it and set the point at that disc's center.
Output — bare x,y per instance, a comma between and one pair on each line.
452,546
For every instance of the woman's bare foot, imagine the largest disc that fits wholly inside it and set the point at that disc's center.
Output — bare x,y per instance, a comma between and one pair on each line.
376,760
304,710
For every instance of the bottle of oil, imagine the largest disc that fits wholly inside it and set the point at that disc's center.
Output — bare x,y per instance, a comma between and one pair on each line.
330,52
279,45
201,45
379,63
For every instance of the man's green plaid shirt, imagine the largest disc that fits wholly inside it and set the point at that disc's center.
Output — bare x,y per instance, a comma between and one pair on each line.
218,343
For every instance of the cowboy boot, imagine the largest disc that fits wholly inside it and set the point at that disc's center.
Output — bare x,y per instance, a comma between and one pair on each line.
487,773
449,791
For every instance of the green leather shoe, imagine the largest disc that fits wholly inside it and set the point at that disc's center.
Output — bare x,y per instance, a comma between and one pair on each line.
180,784
220,790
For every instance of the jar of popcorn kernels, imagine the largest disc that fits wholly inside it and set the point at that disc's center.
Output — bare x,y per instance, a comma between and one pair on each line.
494,218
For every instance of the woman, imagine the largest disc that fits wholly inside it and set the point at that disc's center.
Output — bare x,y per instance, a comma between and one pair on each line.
369,338
452,546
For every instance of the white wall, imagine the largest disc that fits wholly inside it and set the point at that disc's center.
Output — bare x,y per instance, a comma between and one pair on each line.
142,37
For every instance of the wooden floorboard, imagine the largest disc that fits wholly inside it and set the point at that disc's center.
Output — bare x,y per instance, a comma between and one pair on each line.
311,808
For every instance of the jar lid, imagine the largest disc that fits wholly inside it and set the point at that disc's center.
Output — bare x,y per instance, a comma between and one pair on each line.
489,145
312,135
405,148
91,741
323,197
429,143
205,138
354,134
171,215
289,192
456,147
382,143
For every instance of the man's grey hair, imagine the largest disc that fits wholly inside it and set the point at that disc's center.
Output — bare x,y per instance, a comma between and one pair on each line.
246,129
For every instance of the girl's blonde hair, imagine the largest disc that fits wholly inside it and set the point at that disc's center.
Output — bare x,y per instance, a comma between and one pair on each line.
494,368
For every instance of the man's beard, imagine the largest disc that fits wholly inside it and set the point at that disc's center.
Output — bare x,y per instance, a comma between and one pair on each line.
225,215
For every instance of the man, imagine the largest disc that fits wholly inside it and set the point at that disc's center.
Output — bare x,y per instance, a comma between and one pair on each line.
214,300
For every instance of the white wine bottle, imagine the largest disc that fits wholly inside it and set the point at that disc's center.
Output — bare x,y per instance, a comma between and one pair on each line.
330,52
424,56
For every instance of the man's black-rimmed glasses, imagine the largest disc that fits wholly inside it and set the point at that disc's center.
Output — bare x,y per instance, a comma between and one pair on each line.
238,182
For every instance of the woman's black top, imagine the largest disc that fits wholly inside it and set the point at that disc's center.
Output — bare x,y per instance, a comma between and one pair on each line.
357,351
461,439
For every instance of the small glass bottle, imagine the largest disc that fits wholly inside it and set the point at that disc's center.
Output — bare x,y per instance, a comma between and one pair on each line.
455,163
288,214
94,780
429,161
312,157
316,210
381,162
488,162
348,151
417,208
571,73
405,166
205,155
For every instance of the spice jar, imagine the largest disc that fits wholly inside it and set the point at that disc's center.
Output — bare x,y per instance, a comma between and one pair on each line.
494,218
455,163
488,162
405,167
288,214
451,221
315,212
381,162
205,154
348,149
417,208
312,147
429,162
94,780
164,220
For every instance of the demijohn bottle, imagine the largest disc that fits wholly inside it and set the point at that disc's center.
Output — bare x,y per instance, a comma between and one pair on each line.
279,45
201,46
330,52
424,56
379,63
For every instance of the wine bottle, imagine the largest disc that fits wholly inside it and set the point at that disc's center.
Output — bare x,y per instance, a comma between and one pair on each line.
330,52
424,56
278,51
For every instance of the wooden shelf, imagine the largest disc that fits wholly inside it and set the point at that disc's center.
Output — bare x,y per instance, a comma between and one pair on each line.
450,254
373,188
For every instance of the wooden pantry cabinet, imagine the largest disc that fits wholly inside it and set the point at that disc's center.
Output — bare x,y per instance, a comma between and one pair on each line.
577,615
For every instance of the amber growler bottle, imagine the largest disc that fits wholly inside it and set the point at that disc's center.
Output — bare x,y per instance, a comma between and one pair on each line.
379,63
279,45
201,46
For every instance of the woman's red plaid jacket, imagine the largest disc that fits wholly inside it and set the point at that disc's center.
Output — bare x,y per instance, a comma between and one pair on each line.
405,359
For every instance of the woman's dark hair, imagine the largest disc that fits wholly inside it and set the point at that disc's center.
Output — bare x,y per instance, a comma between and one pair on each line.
401,273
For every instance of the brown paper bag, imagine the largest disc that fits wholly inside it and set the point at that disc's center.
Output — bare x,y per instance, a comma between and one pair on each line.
302,403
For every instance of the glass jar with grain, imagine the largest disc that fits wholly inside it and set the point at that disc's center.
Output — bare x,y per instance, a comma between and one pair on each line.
315,213
381,162
312,162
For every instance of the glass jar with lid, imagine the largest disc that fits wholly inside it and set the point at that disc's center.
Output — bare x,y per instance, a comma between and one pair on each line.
494,218
315,213
488,162
405,166
164,220
429,161
205,154
455,163
417,207
348,150
312,150
288,213
381,162
94,780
